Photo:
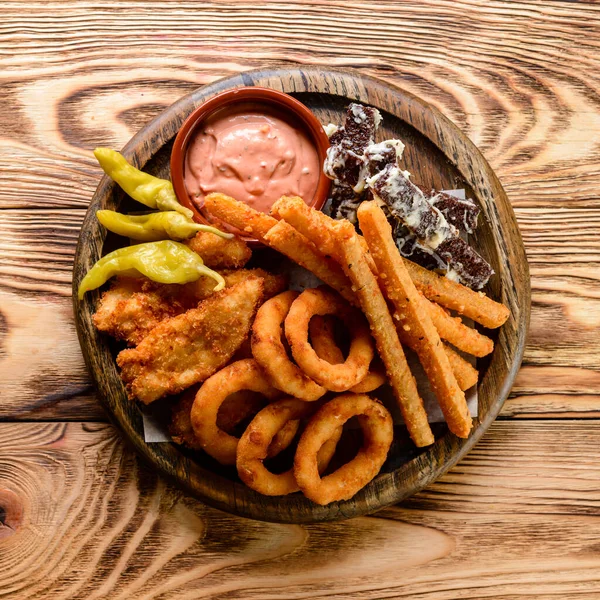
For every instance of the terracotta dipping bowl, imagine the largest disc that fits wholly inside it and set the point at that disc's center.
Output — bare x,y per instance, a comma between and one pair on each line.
284,105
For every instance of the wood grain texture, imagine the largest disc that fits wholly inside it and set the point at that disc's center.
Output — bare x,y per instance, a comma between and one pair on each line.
42,374
83,519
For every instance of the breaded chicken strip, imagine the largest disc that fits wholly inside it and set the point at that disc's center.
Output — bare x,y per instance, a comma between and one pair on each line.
190,347
203,288
131,308
219,253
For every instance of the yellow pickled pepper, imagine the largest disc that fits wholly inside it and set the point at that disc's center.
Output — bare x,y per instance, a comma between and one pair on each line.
164,262
155,226
142,187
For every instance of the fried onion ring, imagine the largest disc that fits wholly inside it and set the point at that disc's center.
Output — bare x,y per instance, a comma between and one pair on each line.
243,406
241,375
334,377
269,351
238,407
378,432
256,441
322,339
283,438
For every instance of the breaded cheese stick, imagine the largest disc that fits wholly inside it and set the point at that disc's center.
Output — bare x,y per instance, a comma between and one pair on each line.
401,291
376,310
453,330
453,295
282,237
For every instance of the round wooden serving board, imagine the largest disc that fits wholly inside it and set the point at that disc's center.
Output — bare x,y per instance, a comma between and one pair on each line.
439,156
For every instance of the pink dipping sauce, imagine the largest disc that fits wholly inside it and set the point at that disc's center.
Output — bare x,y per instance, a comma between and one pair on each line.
254,157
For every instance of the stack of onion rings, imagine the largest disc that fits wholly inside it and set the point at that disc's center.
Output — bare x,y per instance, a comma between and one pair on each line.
334,377
270,353
254,446
317,366
322,338
376,424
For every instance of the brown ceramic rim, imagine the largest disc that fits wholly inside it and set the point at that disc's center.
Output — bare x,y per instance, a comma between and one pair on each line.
259,95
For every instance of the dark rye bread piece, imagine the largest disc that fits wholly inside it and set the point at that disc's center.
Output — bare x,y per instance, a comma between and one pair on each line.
463,214
409,247
379,156
471,268
344,202
408,203
345,163
449,252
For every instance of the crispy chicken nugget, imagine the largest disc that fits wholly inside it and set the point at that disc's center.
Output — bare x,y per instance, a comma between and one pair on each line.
218,252
273,284
190,347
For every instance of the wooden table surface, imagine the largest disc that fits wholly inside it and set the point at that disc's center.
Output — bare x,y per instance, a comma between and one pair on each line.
80,517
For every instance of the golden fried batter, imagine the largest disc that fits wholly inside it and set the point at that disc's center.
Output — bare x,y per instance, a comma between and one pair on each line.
131,308
219,253
180,427
203,288
190,347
